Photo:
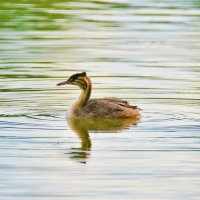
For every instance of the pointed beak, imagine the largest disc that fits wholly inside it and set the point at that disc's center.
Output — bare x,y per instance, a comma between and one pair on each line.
63,83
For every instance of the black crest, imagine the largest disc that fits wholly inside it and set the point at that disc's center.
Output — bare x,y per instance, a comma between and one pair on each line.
75,76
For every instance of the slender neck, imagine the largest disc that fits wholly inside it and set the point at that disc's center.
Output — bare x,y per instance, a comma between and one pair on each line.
85,94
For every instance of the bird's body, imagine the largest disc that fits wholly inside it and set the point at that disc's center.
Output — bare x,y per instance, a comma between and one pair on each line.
106,107
110,107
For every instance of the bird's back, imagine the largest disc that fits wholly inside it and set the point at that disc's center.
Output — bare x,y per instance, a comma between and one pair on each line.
108,107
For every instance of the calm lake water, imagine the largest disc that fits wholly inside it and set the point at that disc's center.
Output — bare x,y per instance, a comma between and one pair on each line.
145,51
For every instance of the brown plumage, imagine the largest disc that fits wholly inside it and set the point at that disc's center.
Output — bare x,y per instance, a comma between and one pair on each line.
107,107
110,107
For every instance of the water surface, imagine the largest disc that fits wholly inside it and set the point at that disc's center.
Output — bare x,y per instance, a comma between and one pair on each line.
147,52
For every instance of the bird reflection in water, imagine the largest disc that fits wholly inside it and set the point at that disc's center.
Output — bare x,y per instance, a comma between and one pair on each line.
83,126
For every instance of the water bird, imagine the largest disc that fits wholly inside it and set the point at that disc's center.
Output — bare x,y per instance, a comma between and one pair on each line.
108,107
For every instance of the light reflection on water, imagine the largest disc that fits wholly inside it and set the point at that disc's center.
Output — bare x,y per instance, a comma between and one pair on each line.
146,52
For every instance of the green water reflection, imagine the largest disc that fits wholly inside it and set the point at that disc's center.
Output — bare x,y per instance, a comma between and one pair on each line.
53,15
49,15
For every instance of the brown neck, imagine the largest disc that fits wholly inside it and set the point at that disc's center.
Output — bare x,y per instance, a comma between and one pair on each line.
85,94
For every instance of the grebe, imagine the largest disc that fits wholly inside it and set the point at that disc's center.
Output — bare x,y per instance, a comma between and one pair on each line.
110,107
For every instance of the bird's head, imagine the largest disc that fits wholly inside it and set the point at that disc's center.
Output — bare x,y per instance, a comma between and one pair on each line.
79,79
